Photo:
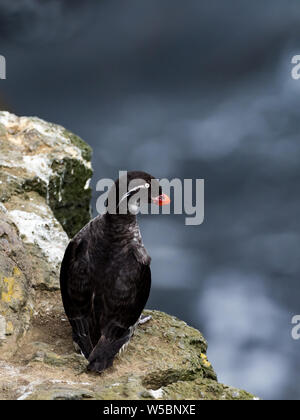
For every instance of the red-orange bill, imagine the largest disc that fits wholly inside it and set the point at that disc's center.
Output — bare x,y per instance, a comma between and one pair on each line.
161,200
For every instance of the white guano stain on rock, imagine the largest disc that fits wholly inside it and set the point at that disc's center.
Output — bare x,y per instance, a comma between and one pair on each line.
59,381
87,185
42,230
26,391
159,393
2,327
40,165
7,118
3,208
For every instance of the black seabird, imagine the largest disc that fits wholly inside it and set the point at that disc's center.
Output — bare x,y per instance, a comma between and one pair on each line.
105,274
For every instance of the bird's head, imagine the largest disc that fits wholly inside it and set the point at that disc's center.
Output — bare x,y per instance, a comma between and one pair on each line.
135,189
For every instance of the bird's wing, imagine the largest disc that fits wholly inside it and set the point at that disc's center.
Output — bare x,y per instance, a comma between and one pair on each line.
76,290
143,291
120,315
75,281
123,306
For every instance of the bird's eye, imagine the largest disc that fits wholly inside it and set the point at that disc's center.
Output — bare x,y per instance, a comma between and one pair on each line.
147,185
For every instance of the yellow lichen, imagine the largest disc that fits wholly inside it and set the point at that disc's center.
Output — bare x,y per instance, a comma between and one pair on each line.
7,296
205,361
12,288
17,272
9,328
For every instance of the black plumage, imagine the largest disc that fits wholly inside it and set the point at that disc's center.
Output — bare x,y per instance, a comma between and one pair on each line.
105,282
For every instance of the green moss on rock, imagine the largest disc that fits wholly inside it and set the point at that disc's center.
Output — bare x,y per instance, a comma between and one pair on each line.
204,389
69,194
86,150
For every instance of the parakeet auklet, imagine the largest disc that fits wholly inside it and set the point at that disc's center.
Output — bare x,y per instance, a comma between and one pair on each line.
105,274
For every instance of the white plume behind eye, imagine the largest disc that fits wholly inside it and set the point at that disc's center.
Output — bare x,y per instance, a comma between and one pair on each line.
146,186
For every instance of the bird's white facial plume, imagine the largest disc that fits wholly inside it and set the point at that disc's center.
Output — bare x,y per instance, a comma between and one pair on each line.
137,193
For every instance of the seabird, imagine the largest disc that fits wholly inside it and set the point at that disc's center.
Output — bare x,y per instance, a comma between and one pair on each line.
105,274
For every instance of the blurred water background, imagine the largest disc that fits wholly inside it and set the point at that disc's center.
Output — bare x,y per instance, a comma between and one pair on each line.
200,89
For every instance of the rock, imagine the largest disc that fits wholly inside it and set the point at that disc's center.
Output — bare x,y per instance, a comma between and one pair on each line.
45,199
44,189
16,294
54,392
36,156
166,360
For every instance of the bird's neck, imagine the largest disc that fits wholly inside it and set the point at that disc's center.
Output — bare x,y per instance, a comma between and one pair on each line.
121,226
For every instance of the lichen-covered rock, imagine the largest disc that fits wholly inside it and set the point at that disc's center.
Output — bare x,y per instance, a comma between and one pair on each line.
36,156
44,189
16,297
165,360
44,197
42,236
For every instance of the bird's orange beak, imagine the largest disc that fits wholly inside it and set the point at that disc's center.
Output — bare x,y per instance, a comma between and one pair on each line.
161,200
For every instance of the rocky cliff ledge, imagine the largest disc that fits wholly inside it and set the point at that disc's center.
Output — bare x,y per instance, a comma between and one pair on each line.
44,199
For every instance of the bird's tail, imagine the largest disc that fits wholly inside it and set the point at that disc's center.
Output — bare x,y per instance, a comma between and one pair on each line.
81,336
103,355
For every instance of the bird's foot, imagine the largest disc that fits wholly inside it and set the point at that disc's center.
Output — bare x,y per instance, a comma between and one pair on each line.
144,318
94,368
99,366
